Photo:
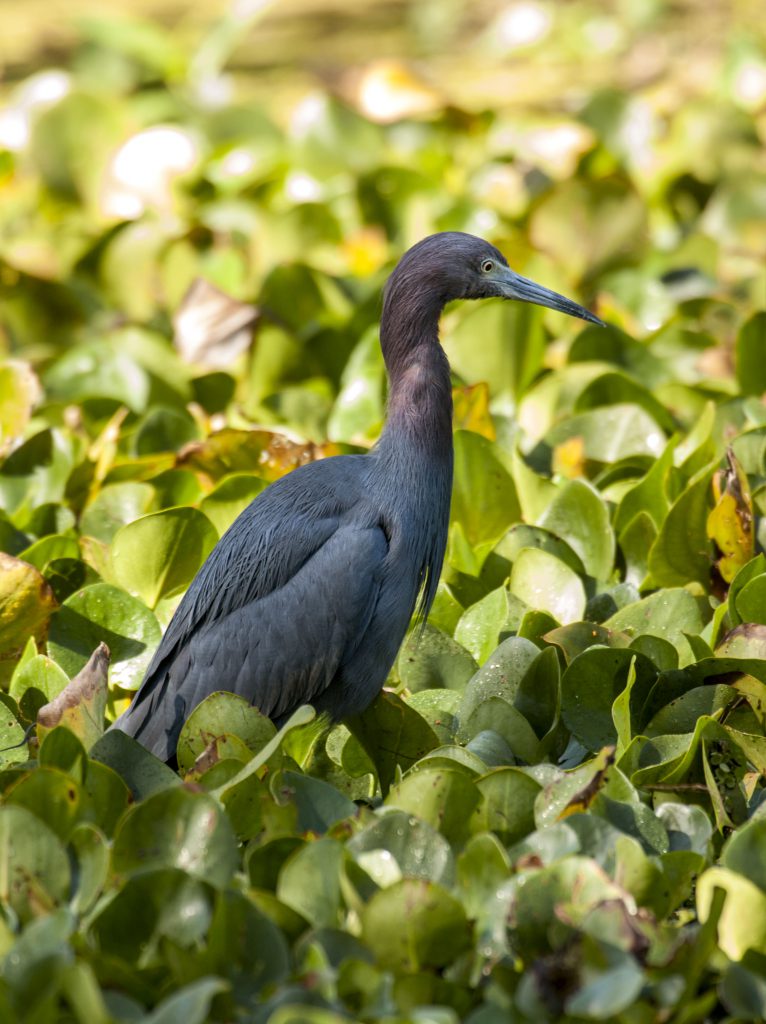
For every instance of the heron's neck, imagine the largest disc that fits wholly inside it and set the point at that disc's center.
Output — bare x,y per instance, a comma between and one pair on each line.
420,394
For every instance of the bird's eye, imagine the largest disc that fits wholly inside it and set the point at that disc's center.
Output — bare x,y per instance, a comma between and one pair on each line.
487,266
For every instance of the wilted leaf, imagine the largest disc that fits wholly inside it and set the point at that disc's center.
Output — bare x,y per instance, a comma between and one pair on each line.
82,704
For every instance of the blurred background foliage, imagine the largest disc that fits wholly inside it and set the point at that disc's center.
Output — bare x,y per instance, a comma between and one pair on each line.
199,205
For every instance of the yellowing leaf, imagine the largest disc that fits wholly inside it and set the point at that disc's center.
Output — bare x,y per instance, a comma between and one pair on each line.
581,801
26,603
730,525
19,393
471,410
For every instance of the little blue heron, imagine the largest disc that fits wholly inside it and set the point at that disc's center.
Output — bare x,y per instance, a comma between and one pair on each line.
308,595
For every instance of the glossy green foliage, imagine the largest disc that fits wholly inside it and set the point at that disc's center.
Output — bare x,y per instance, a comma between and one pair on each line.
555,809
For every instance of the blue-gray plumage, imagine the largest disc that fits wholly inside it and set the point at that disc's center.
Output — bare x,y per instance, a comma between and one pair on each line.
307,597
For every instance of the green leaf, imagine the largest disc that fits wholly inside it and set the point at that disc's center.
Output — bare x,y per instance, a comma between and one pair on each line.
415,924
590,686
751,373
501,675
431,660
418,849
682,550
392,734
742,925
35,683
668,614
99,614
158,555
309,882
544,583
508,804
484,502
229,497
34,868
443,797
190,1005
177,828
114,506
221,715
488,622
578,514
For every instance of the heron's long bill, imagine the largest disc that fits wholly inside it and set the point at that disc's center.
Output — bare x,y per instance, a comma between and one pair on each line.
523,290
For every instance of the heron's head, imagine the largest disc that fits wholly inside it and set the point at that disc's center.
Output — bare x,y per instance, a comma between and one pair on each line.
455,265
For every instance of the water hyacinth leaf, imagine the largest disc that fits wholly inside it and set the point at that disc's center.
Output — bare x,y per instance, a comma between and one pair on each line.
229,497
99,614
544,583
484,502
431,659
91,854
445,798
507,806
636,541
579,636
612,991
34,867
470,410
523,536
81,705
751,373
418,849
190,1005
500,676
742,925
114,506
13,748
157,556
743,852
682,550
152,906
488,622
26,603
505,362
668,614
751,601
587,224
649,496
36,682
218,715
610,433
578,514
141,771
415,924
590,686
19,393
48,549
745,641
497,715
177,828
358,409
99,371
50,794
538,697
319,804
392,733
576,881
614,386
309,882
